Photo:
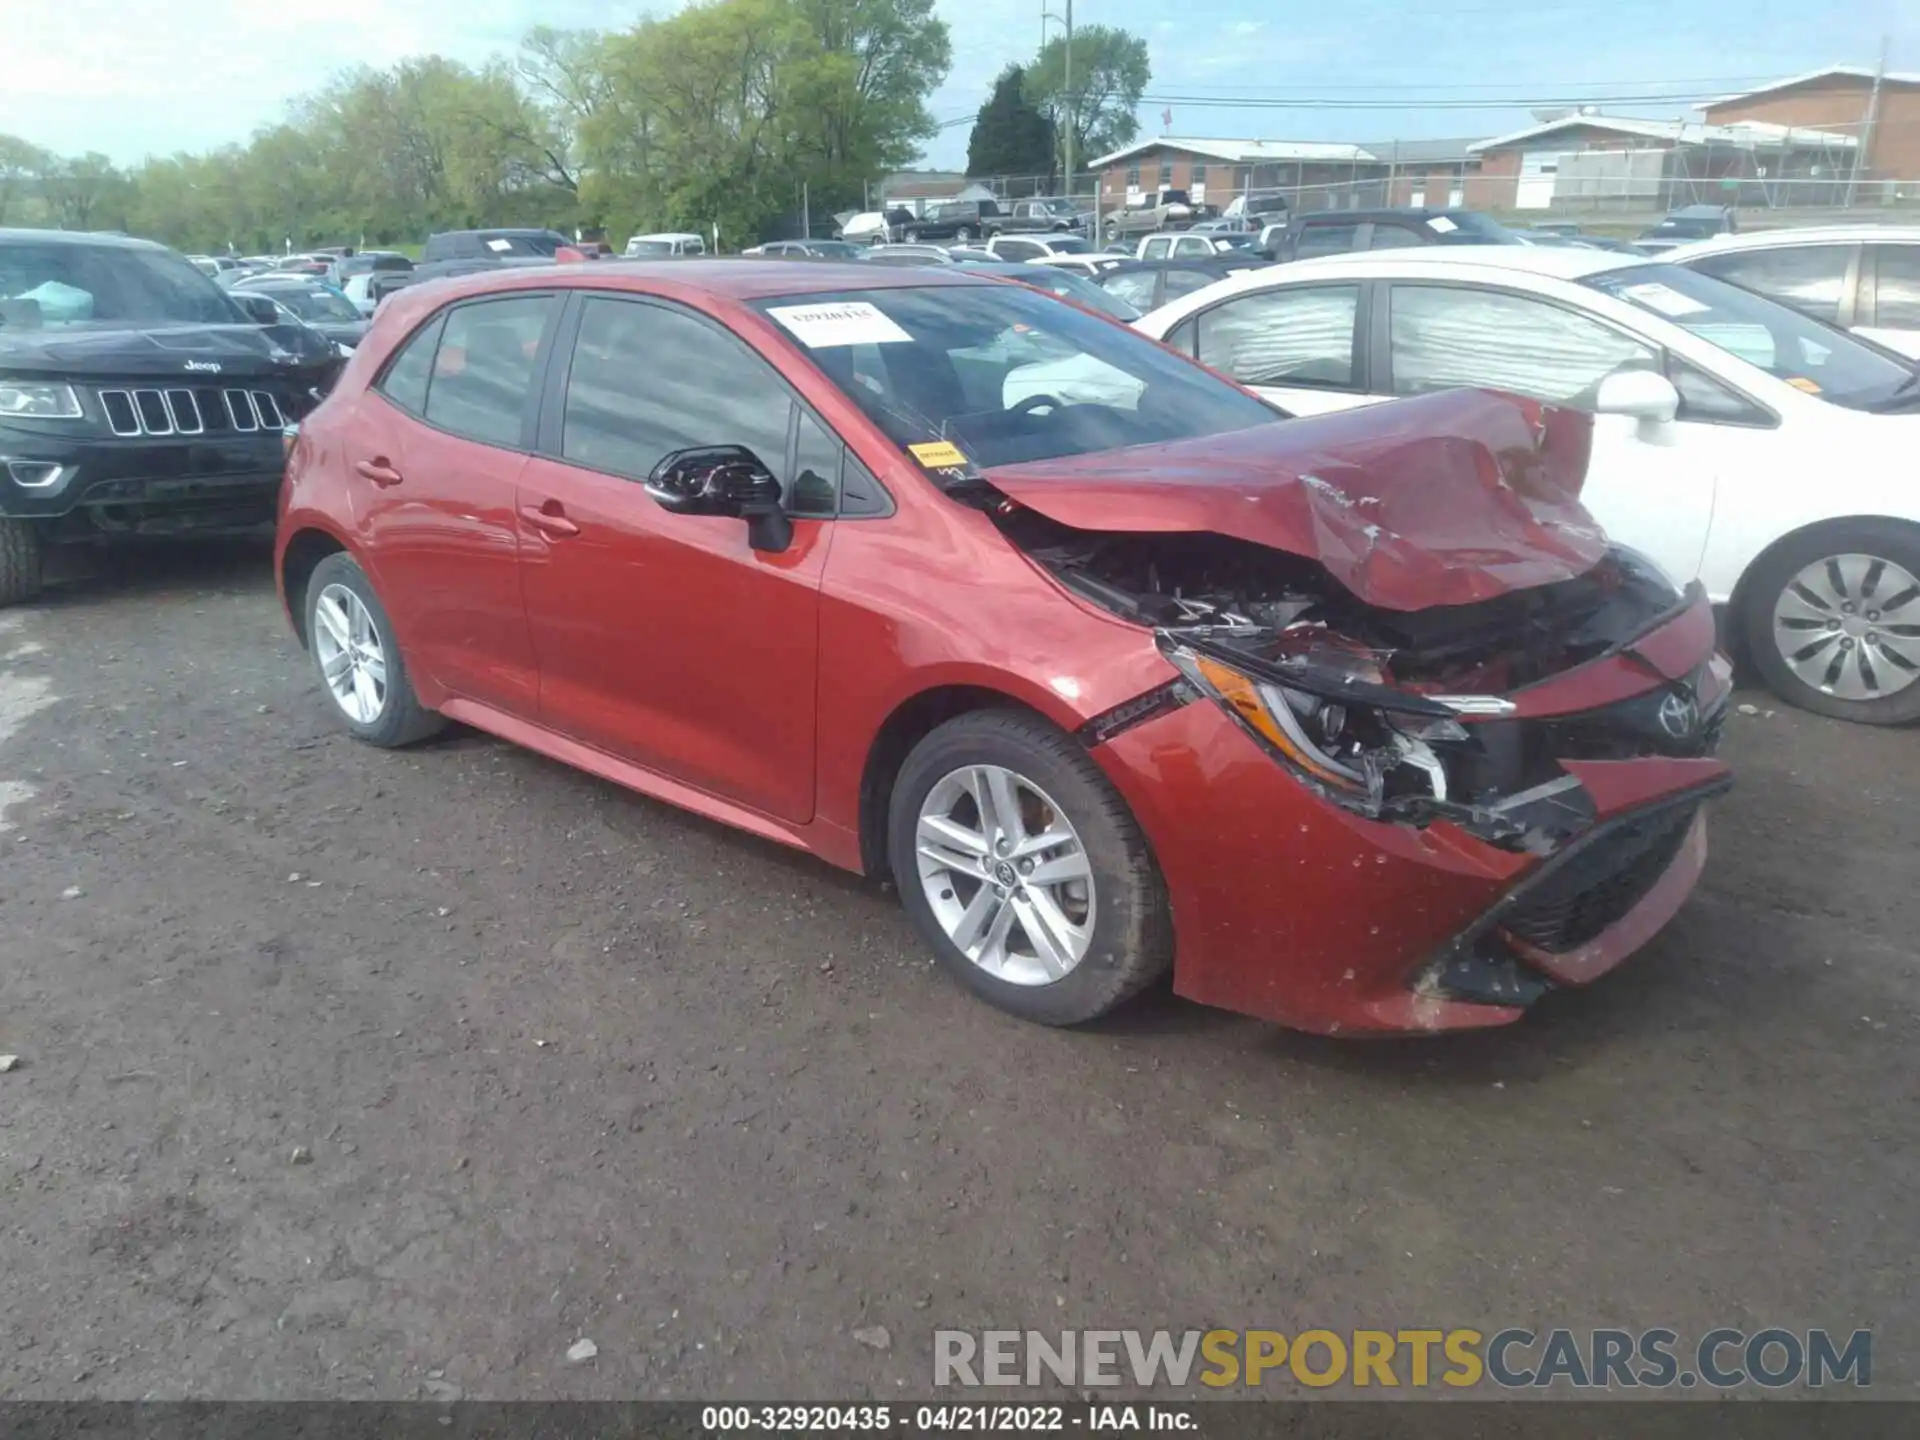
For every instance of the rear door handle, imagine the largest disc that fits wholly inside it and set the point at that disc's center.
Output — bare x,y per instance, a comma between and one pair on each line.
549,519
378,471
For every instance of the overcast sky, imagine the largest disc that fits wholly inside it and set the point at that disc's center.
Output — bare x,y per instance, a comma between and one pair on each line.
133,77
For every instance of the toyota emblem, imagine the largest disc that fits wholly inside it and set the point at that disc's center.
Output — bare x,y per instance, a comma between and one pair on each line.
1679,715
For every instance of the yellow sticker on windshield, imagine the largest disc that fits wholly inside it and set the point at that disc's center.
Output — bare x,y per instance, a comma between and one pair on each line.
1800,382
937,454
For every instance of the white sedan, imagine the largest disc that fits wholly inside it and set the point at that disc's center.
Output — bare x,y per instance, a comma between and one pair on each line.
1865,277
1735,440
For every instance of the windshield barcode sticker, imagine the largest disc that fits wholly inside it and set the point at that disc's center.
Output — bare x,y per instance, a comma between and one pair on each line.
820,327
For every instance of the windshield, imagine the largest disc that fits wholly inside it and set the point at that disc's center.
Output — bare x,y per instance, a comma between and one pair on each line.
1005,373
1788,345
317,302
64,283
650,247
1068,245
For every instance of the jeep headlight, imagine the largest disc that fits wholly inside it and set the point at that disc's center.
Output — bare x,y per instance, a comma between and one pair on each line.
31,400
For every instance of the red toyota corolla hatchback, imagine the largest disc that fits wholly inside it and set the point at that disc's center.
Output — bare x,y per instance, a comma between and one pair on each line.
1356,723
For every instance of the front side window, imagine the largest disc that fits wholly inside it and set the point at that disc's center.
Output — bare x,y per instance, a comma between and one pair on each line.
647,380
1812,278
1185,282
1157,248
1791,346
483,370
1448,336
1004,373
1297,336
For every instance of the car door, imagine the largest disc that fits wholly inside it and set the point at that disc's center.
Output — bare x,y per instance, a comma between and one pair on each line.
1889,309
1650,484
666,639
1299,345
438,448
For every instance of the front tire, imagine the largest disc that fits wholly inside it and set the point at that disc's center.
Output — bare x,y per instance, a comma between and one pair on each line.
358,659
1024,870
1831,620
21,561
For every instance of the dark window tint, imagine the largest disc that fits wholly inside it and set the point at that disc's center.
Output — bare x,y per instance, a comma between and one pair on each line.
1300,336
1808,277
647,380
816,469
483,371
1897,302
1392,237
405,382
1326,240
1448,336
1705,399
1019,249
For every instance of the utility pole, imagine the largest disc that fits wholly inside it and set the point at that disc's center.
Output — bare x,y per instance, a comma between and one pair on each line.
1069,89
1863,151
806,211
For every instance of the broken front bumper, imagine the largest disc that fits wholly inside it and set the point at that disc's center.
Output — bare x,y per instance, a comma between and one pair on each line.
1293,909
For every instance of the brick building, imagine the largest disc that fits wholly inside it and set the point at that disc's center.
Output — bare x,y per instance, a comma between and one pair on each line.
1839,99
1214,171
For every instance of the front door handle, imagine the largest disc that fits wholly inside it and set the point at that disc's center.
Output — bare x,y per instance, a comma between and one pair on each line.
549,519
378,471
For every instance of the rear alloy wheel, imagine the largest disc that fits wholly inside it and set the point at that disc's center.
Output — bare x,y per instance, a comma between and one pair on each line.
1833,623
1024,871
358,659
963,234
20,561
913,237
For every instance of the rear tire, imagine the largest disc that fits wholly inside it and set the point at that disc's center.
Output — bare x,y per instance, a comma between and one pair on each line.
1801,609
388,714
21,561
963,235
1108,911
913,237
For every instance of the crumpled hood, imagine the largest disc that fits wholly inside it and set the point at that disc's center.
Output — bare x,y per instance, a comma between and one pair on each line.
79,351
1445,499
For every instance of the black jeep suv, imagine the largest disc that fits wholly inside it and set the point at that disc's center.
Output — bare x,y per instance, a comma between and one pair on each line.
136,398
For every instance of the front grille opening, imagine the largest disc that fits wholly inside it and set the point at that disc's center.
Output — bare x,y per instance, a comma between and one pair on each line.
1597,888
122,418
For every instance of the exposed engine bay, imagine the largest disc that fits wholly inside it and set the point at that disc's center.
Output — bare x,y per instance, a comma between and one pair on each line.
1399,715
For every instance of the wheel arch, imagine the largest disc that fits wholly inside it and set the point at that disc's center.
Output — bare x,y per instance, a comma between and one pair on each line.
299,558
1736,611
911,721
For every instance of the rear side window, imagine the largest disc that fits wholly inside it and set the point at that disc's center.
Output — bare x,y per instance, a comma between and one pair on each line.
483,370
1897,296
405,382
1448,336
1298,336
1811,278
1326,240
1185,282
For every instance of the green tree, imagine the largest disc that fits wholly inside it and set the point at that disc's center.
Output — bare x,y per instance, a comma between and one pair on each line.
22,168
1011,136
1110,72
87,192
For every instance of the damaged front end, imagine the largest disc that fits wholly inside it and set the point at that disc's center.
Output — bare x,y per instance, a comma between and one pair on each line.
1546,742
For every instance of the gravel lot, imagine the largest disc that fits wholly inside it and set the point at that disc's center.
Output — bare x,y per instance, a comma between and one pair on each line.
349,1074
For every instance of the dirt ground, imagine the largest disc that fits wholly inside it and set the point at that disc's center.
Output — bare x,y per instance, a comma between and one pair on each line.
560,1062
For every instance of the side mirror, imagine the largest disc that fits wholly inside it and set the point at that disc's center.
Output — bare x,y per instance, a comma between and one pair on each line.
1644,395
724,480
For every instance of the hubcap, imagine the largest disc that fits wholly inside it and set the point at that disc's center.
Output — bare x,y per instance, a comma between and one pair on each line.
1005,874
1849,626
351,659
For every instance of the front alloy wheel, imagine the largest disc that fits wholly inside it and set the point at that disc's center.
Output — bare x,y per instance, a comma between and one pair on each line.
1024,871
1006,875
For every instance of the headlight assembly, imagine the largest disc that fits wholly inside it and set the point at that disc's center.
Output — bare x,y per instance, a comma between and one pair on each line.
1352,741
31,400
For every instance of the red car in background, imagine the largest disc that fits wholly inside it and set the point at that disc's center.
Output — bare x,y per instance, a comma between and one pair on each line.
1356,723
